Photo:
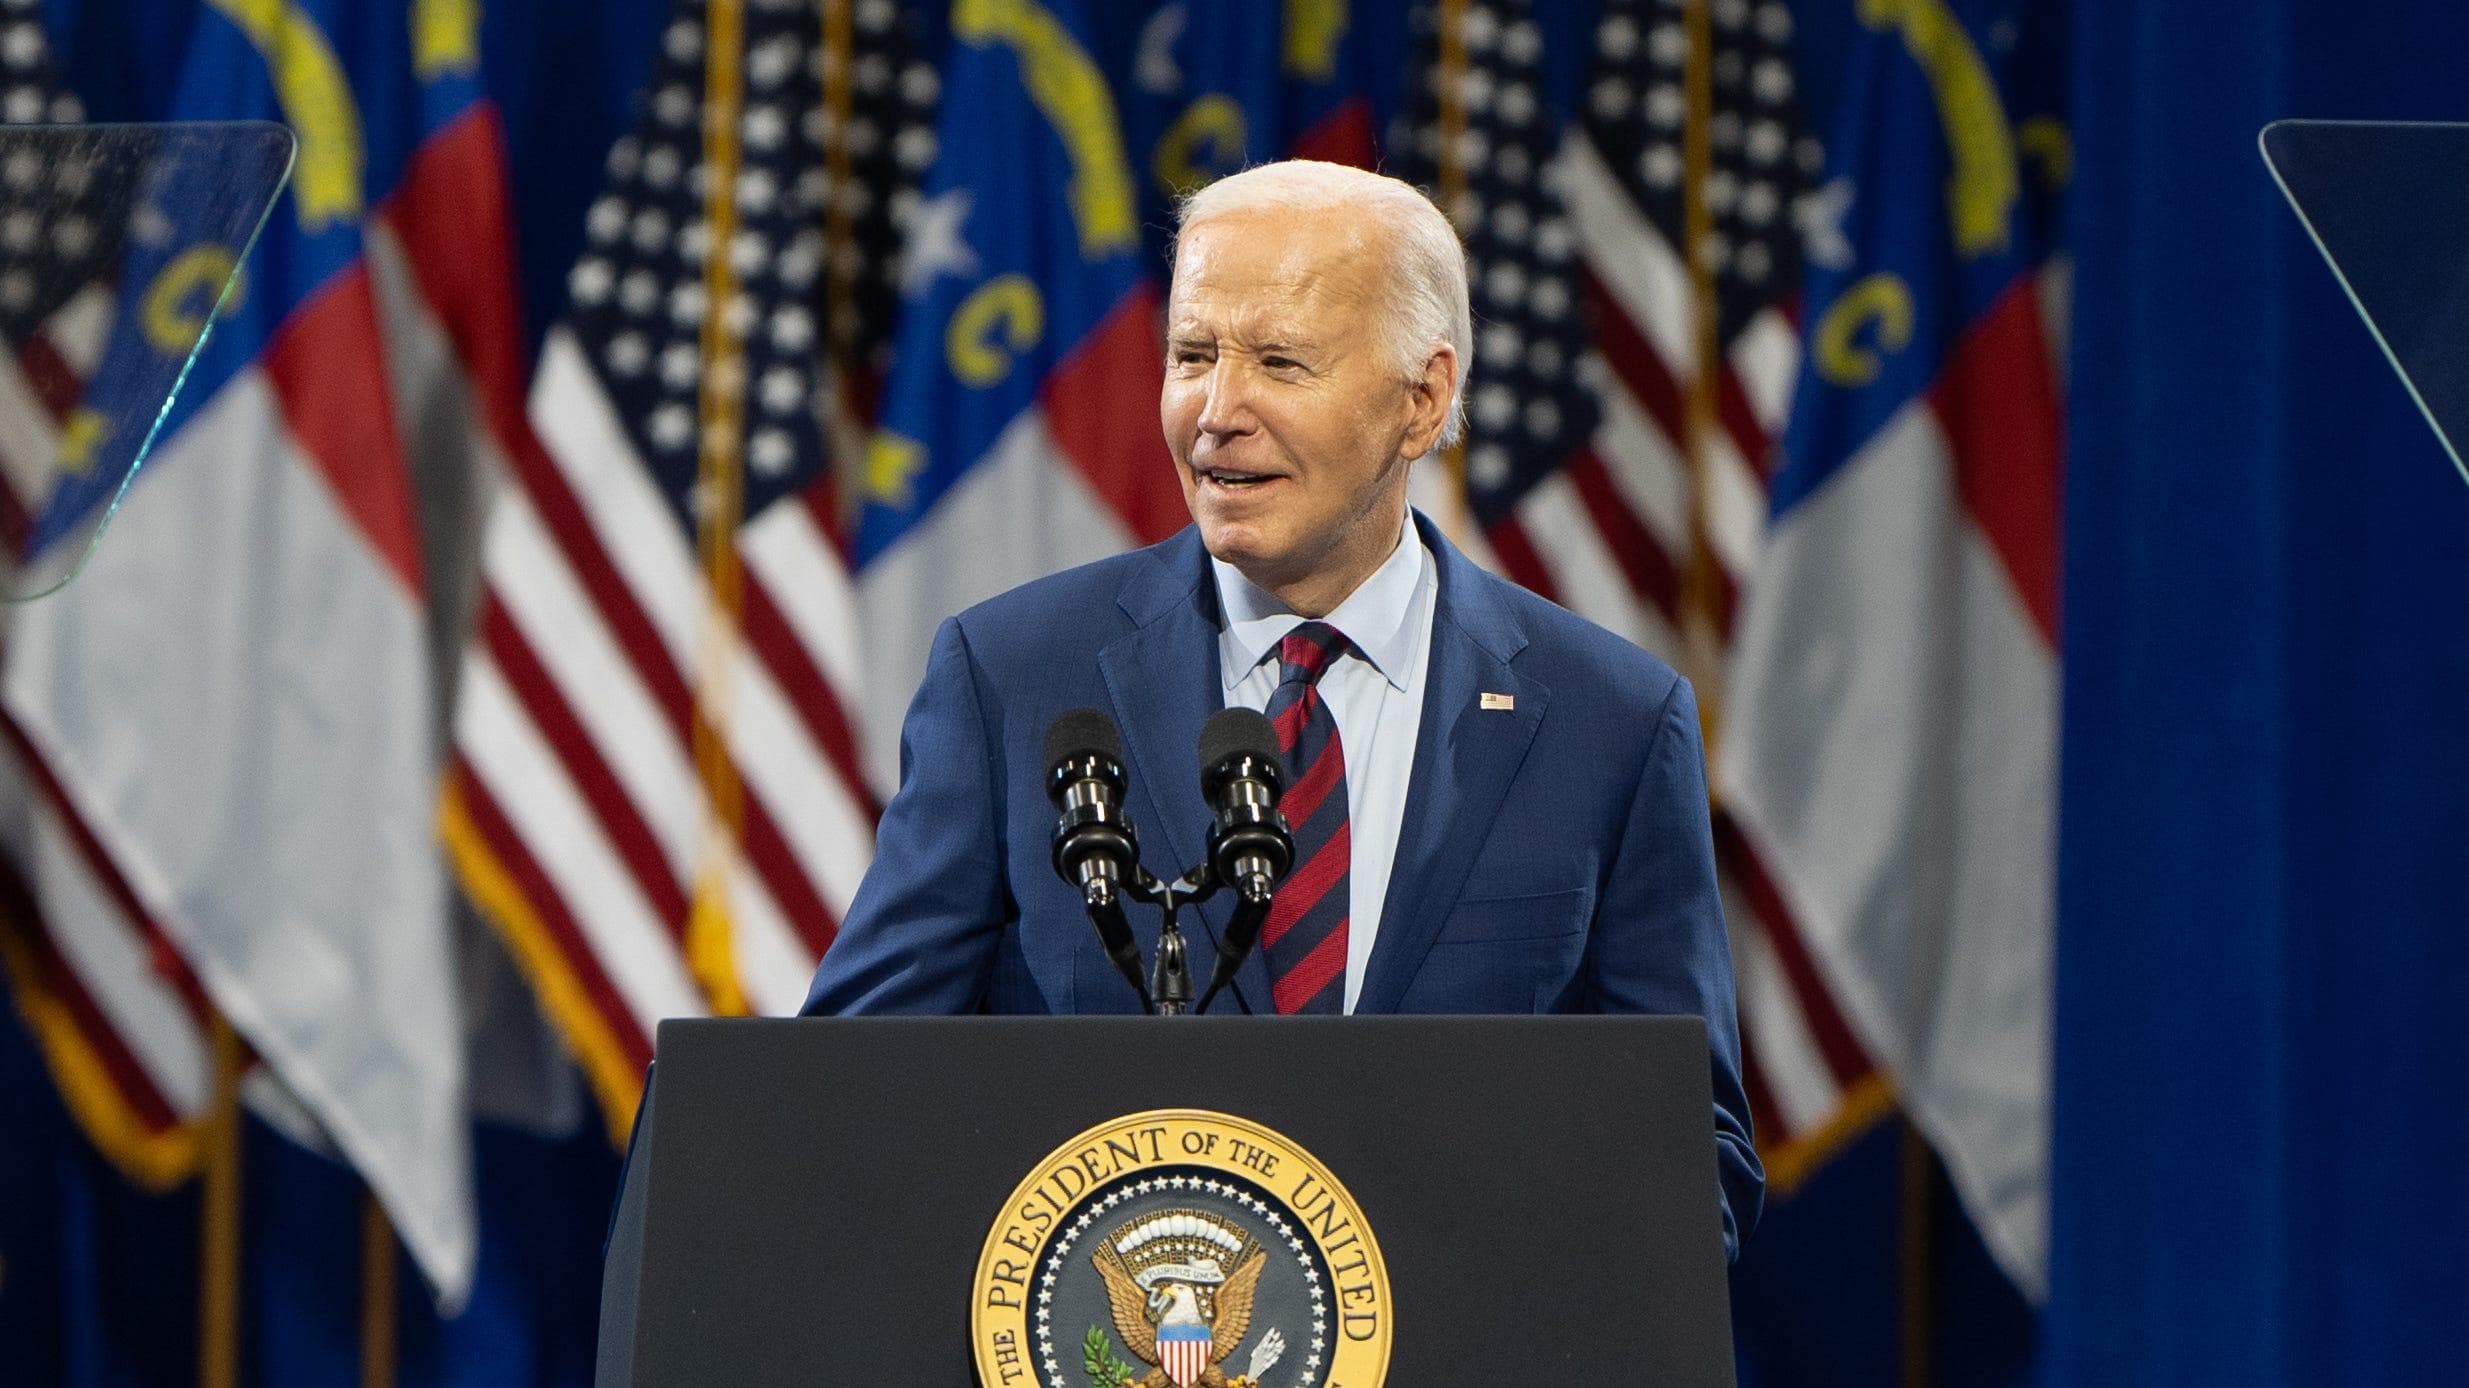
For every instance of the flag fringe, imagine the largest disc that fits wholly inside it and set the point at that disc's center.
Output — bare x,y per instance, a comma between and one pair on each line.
1864,1106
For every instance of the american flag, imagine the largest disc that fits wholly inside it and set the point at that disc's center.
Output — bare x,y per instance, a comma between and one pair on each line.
657,793
117,1012
1582,468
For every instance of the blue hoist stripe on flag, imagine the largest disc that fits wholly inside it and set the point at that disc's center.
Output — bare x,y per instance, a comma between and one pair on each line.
333,71
1029,238
1937,194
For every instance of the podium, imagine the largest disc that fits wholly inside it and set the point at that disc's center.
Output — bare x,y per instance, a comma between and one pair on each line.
1078,1201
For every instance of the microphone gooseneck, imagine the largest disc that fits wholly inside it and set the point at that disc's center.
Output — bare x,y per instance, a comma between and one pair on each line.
1250,848
1095,848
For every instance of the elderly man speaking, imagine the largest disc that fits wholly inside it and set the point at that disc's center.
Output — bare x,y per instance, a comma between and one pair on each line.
1497,806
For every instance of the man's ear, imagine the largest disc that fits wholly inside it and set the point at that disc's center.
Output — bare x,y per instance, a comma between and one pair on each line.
1429,397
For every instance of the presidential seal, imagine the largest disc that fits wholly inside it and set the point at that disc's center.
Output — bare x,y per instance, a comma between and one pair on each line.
1180,1247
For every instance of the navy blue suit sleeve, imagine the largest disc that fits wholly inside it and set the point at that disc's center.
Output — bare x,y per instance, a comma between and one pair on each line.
922,934
1659,944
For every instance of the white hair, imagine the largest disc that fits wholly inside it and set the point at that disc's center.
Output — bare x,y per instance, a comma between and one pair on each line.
1428,304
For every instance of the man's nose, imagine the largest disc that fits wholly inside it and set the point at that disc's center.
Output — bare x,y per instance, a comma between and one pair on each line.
1226,407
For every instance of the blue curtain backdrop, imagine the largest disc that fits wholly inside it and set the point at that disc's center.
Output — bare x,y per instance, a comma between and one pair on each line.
2261,959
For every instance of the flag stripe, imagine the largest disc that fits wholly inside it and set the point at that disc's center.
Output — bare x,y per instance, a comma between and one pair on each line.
1843,1053
1115,375
540,698
1998,408
324,366
534,798
1636,551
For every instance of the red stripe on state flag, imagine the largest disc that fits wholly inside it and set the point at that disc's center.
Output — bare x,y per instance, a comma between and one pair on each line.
1344,136
327,367
1096,399
1996,399
450,215
549,909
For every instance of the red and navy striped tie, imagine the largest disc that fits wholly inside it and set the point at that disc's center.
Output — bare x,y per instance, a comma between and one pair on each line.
1305,936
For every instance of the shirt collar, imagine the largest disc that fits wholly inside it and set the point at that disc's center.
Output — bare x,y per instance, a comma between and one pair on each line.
1373,616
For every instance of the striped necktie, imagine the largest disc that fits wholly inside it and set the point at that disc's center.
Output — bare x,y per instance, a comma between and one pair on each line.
1305,936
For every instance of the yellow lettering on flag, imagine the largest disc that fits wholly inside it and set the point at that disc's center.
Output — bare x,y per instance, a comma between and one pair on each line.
1313,28
1006,302
445,37
892,462
1980,193
1881,301
2045,139
316,99
84,432
1071,93
174,312
1214,121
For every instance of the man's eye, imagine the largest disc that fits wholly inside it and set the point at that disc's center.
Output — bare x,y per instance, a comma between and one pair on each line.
1277,363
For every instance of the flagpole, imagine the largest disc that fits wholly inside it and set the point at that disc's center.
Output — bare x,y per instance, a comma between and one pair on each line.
1701,581
1918,1272
719,504
377,1311
218,1273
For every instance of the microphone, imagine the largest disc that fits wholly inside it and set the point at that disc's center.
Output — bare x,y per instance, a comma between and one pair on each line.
1095,850
1249,846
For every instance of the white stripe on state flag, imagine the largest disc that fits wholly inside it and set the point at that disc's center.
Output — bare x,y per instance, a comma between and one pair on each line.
1021,512
235,696
1642,271
1585,576
523,776
1910,826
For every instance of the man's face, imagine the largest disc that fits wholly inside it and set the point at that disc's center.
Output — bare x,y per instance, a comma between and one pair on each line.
1289,422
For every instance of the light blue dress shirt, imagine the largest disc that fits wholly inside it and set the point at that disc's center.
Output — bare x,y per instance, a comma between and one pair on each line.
1374,692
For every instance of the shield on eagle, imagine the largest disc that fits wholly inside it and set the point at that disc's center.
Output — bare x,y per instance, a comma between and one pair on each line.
1183,1352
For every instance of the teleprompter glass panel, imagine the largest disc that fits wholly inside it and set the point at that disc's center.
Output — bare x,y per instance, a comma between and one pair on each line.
2388,205
120,245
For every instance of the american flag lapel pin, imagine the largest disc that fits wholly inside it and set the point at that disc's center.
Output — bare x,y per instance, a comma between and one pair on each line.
1503,702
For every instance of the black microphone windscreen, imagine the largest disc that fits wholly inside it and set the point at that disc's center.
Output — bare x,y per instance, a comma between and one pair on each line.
1083,730
1234,730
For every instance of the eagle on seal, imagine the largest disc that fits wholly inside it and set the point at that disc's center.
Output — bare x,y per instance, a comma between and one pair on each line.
1181,1331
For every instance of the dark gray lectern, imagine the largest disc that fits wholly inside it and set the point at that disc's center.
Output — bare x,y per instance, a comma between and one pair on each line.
807,1201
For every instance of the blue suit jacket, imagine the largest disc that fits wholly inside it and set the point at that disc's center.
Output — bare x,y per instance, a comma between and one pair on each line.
1555,857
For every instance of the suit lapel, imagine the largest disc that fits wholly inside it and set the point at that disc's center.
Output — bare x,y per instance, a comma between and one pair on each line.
1465,756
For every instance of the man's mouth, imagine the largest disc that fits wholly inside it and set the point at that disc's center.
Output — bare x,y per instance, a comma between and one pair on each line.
1234,481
